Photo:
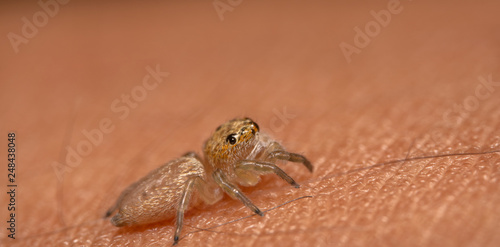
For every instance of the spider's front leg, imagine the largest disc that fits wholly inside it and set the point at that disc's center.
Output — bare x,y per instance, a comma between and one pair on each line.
257,167
293,157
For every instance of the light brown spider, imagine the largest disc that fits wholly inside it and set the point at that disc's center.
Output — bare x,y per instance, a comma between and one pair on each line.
237,153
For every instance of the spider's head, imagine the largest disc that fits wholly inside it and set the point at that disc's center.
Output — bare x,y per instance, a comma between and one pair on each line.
231,140
236,131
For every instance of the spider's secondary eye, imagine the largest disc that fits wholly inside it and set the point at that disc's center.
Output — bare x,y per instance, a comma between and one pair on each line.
231,139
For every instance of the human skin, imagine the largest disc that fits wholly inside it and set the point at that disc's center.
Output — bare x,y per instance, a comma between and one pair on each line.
412,91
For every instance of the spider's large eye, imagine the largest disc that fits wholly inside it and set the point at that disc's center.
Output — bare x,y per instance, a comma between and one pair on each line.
231,139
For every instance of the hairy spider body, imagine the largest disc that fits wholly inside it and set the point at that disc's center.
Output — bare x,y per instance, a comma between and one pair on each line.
237,153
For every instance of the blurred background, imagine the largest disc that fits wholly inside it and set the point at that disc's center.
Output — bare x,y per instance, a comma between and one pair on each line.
101,92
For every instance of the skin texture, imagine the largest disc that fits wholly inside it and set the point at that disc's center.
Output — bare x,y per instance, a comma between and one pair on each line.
411,91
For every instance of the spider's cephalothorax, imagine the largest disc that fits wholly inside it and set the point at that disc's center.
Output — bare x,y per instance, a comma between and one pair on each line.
237,153
232,141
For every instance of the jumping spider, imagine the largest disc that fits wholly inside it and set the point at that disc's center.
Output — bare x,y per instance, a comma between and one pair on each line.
237,153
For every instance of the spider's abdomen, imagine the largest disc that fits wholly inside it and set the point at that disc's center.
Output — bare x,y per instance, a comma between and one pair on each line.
156,196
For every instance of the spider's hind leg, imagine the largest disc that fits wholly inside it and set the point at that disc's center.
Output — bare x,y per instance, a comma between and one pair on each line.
183,203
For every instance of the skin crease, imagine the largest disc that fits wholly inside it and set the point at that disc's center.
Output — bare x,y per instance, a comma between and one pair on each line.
402,95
